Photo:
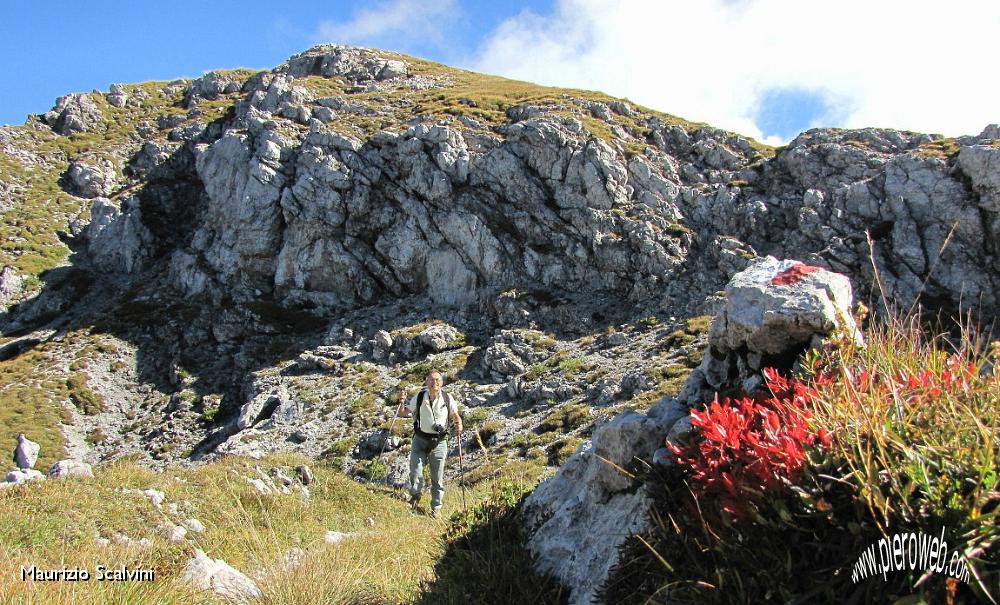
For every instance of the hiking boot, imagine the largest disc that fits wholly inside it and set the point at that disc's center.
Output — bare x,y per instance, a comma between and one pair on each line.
436,512
414,501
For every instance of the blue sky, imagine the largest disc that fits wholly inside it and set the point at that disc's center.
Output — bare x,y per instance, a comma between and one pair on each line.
80,46
765,68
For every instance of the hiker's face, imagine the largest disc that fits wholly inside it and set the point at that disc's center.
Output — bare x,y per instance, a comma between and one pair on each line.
434,382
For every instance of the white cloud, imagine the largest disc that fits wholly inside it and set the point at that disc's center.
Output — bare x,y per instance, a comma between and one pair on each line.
392,24
902,64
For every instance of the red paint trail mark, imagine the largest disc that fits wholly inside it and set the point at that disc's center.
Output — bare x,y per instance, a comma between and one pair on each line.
792,275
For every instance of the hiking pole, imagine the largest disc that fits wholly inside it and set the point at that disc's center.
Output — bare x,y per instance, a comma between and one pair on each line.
385,439
461,470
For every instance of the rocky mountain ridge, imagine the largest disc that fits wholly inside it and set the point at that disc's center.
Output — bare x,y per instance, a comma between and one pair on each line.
256,260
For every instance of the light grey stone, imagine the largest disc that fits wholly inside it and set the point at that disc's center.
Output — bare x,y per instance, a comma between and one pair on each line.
217,576
194,525
71,468
438,337
155,496
590,496
23,475
336,537
25,452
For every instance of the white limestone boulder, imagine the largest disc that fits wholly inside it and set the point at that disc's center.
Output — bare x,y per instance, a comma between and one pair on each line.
217,576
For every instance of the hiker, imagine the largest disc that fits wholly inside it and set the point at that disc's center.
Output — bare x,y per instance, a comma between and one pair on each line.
430,436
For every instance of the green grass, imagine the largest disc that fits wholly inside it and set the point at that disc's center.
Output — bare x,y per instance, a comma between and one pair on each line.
942,149
573,365
565,418
32,391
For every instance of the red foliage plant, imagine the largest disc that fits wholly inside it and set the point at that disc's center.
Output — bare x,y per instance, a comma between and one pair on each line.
746,448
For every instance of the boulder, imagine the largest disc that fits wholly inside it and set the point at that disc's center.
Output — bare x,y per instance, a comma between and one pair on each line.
23,475
377,442
309,361
773,311
262,406
175,534
25,453
281,476
91,178
217,576
501,359
304,473
382,343
194,525
439,337
335,537
155,497
590,496
71,468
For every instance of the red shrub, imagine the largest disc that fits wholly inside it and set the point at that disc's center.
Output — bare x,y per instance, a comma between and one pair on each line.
749,447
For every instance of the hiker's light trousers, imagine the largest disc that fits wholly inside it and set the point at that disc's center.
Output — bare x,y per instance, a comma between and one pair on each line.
422,453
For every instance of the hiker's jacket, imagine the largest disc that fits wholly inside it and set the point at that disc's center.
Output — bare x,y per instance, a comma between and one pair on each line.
434,412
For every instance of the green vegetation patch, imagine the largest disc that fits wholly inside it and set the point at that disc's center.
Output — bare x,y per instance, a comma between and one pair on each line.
565,418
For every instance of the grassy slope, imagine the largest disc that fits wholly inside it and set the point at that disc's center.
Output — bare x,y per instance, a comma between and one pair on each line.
394,560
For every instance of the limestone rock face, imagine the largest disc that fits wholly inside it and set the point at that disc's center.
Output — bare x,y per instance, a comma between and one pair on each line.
773,310
580,516
117,238
217,576
298,210
930,235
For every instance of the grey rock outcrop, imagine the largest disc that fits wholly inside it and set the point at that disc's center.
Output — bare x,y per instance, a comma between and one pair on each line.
25,452
264,401
11,284
210,87
439,337
579,517
76,112
320,218
343,61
